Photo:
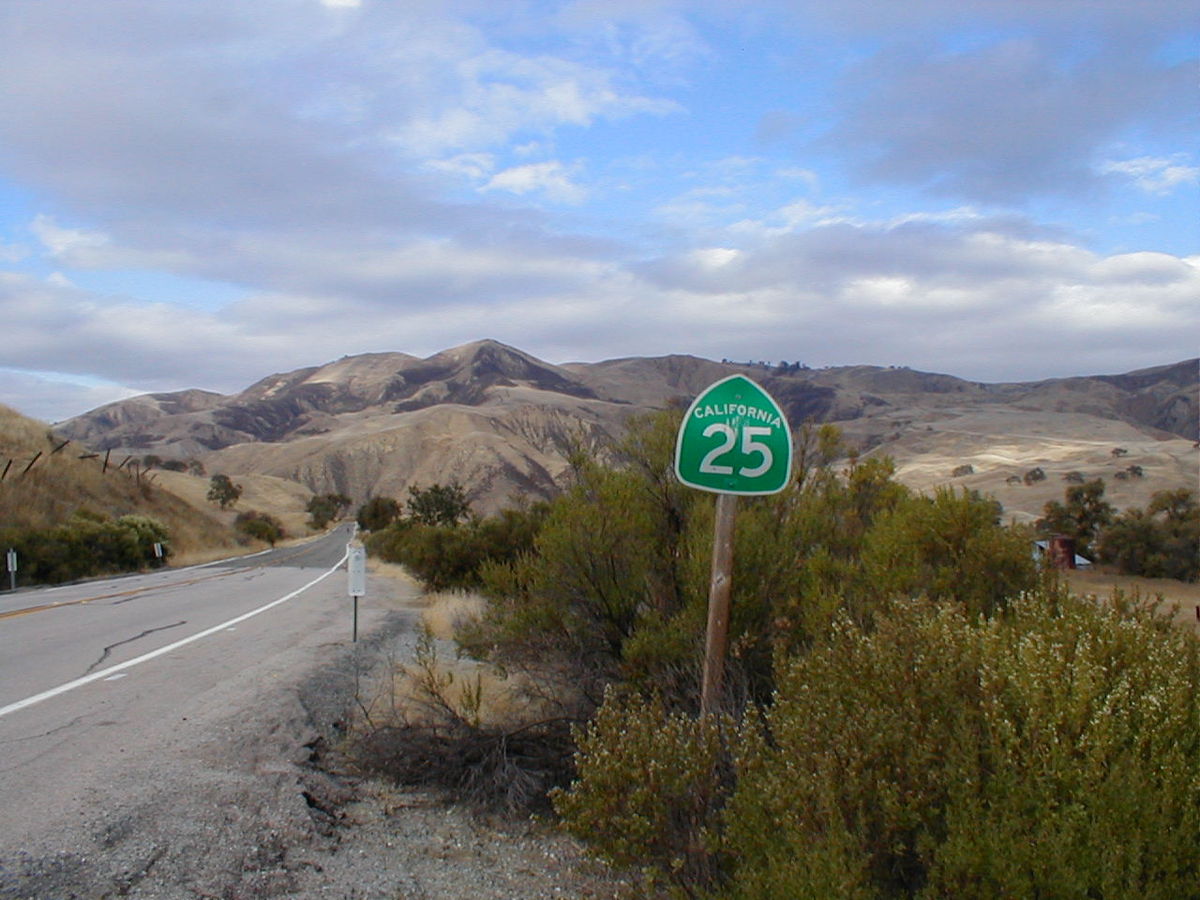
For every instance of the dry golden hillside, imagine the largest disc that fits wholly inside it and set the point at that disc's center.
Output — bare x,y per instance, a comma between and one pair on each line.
283,499
934,447
46,482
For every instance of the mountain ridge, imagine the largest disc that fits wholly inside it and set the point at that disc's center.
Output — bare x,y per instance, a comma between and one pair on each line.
501,421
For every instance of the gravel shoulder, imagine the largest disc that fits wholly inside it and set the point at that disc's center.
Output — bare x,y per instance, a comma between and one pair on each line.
249,803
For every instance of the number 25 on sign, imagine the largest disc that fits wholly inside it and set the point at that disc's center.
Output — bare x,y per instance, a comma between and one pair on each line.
734,441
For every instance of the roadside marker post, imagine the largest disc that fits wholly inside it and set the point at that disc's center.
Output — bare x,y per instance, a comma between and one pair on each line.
356,565
11,557
734,441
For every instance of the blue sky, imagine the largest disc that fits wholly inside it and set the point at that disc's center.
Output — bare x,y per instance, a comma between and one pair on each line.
202,194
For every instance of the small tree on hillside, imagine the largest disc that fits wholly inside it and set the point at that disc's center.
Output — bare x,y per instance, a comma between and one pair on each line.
222,491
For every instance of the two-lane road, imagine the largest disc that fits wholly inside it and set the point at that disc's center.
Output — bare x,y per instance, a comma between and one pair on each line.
110,689
54,637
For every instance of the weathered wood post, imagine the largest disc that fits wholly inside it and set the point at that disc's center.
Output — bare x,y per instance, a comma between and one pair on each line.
716,639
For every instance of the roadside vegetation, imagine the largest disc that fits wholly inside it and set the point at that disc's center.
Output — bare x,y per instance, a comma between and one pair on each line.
911,707
86,545
259,526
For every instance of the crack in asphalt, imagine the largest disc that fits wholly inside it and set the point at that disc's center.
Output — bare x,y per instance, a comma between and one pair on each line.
45,734
109,649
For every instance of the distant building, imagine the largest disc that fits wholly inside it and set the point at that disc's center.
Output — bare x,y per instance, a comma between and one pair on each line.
1058,552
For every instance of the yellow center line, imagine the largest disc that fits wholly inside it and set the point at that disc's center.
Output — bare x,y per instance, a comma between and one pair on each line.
132,592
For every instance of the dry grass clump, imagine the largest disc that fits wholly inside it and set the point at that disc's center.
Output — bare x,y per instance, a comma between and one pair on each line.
393,571
478,734
449,611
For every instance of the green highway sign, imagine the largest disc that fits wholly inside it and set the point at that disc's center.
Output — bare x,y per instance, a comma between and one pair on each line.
734,440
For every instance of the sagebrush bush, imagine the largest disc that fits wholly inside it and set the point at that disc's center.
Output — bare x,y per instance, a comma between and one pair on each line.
1047,752
260,526
453,556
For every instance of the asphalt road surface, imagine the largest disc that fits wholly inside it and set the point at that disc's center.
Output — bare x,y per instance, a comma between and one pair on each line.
150,725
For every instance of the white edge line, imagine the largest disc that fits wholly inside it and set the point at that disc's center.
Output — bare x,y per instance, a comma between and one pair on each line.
129,664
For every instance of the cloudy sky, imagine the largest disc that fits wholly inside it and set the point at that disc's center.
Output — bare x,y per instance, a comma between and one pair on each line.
198,194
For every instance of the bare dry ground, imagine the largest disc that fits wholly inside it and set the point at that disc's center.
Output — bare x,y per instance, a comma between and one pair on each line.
1002,443
1181,597
286,500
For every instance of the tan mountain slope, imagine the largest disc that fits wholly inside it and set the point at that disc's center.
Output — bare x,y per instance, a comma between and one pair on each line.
501,421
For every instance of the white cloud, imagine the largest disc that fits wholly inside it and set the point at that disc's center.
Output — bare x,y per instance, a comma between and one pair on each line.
1007,120
487,96
311,147
12,253
1155,175
467,165
551,179
653,36
69,242
89,249
715,257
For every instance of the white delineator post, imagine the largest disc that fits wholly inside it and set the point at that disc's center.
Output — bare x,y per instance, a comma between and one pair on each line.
356,566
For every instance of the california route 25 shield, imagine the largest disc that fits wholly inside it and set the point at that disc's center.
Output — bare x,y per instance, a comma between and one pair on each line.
734,440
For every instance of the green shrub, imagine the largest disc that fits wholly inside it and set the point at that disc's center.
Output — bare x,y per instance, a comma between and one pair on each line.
324,508
949,547
88,544
378,513
452,557
1162,541
260,526
438,504
650,787
616,584
1083,515
1048,752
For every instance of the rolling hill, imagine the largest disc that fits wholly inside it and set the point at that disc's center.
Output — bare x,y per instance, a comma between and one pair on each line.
501,422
